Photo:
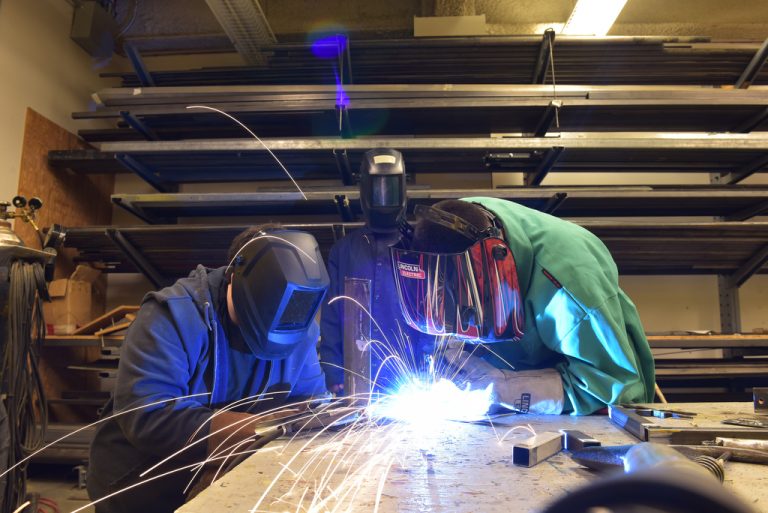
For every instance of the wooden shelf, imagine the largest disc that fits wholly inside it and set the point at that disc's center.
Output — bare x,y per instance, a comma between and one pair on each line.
83,341
708,341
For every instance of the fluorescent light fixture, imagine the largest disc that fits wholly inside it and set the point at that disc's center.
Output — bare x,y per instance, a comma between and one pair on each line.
593,17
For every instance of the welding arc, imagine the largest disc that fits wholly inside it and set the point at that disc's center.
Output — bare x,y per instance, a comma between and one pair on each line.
214,109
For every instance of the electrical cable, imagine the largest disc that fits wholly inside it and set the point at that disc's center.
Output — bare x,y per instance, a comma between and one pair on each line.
19,375
44,502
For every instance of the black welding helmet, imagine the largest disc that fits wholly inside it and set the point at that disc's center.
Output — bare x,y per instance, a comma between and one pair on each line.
382,189
472,294
278,283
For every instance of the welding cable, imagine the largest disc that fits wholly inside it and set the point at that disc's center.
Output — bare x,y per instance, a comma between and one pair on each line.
661,490
20,377
44,502
262,440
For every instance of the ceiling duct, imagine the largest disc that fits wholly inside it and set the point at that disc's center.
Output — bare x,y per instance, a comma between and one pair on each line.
247,27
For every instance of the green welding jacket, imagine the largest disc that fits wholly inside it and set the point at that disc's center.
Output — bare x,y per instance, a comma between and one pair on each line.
577,319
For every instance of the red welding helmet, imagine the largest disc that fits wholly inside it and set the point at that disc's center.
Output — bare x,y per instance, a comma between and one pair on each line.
473,294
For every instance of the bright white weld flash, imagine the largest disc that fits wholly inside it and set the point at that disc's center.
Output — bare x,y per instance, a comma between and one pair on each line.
418,402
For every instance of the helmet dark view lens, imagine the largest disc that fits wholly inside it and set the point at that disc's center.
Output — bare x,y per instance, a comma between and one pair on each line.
299,310
386,191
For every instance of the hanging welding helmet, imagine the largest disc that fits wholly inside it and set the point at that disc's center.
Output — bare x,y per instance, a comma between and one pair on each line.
382,189
473,294
278,283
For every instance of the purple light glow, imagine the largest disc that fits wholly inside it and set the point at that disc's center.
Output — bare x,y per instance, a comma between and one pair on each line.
329,47
342,100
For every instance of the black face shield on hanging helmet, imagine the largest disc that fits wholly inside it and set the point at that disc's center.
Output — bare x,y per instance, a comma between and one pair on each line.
473,294
278,283
382,189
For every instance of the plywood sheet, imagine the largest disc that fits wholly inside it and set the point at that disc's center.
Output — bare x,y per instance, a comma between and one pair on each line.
69,200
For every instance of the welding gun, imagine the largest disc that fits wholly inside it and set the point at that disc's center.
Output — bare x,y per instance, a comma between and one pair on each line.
322,416
657,478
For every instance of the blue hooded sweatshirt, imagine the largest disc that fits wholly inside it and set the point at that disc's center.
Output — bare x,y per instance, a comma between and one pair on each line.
180,344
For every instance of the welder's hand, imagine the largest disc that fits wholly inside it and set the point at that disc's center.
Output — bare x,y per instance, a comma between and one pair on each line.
463,366
534,391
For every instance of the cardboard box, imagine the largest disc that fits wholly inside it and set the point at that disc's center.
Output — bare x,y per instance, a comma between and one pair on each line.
72,303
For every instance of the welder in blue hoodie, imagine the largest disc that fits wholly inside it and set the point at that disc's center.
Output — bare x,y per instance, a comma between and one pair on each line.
365,254
246,330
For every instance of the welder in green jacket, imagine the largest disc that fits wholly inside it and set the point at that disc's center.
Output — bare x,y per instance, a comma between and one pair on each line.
531,303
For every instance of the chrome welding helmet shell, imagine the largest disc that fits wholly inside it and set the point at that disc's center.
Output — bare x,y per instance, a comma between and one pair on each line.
382,189
278,283
472,294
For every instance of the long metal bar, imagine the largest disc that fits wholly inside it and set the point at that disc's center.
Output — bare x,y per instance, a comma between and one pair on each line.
620,193
587,140
145,77
698,231
356,330
754,67
647,430
733,204
638,248
111,97
574,40
707,341
403,106
136,258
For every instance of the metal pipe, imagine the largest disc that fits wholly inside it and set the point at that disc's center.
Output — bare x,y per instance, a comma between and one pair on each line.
357,338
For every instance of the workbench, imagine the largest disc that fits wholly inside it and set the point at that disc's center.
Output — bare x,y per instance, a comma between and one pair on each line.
453,467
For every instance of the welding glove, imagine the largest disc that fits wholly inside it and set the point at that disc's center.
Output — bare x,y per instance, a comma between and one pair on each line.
228,428
533,391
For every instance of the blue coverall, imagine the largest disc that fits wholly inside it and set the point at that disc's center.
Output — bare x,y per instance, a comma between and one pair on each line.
365,254
182,343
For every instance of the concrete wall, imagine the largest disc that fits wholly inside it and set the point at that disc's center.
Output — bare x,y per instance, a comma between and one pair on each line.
42,69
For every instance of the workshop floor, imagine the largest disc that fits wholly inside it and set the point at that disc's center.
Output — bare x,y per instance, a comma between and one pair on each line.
58,483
